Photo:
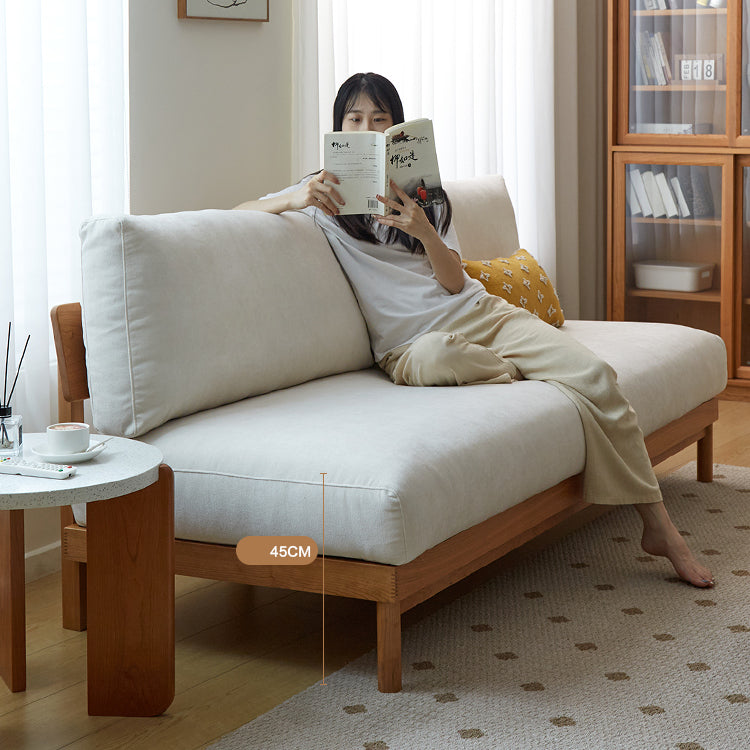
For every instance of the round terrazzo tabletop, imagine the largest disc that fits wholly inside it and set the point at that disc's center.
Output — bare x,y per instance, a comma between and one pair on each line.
123,466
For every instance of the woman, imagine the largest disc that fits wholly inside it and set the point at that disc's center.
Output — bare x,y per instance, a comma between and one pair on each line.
430,324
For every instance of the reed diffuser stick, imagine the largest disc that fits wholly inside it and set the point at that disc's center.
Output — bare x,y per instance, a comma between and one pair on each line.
4,440
7,352
23,354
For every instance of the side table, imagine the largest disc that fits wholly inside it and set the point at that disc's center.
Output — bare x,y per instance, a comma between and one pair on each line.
129,494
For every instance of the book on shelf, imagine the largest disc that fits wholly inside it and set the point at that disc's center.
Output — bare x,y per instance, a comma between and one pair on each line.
641,74
670,202
654,196
658,68
681,200
631,197
644,58
652,58
684,194
695,185
686,185
661,40
636,180
642,77
703,199
366,161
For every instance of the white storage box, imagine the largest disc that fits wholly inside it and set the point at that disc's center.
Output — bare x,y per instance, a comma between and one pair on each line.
673,276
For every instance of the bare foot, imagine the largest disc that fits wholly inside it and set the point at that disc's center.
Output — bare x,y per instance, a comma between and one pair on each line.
661,538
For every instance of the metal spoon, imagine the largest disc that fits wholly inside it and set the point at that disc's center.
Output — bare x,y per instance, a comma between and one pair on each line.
94,447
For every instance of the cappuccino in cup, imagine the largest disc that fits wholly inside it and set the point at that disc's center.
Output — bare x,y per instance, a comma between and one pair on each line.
67,437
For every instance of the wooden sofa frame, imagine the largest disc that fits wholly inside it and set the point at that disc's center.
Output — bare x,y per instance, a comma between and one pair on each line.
394,588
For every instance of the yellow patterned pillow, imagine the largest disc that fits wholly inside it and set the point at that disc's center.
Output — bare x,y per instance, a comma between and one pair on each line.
520,280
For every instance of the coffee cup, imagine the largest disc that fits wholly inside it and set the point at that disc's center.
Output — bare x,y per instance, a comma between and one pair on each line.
67,437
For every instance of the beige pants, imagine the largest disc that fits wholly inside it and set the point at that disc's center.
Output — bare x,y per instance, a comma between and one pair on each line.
498,342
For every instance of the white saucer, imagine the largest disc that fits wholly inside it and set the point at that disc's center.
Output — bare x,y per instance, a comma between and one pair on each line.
70,458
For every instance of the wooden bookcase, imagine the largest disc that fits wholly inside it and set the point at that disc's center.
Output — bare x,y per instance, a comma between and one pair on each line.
678,171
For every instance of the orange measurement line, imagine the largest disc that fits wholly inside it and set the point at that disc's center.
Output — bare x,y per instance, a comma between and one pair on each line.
323,475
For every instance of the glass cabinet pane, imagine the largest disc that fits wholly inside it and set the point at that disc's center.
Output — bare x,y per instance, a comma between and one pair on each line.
678,64
745,303
673,244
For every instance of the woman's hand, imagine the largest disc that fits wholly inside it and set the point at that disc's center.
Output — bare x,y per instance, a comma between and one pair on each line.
316,192
410,218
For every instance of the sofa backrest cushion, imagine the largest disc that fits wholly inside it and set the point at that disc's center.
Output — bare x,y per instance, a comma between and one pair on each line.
484,218
187,311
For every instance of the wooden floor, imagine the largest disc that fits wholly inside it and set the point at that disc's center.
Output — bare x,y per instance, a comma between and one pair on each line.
240,650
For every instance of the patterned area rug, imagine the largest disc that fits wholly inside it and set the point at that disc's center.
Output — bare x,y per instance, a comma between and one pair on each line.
589,644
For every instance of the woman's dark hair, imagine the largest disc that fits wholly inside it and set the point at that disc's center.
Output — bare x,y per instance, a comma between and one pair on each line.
383,93
376,87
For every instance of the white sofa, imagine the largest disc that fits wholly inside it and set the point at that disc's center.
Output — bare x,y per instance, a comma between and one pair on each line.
233,342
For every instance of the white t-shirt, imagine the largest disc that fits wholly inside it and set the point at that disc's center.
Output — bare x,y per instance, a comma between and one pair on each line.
397,291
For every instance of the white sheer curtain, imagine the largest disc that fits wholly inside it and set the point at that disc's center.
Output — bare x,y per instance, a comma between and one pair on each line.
483,70
63,157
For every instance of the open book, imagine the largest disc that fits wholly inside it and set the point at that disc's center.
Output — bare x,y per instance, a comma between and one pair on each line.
366,161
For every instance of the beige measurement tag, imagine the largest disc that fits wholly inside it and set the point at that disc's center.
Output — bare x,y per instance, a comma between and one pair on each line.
277,550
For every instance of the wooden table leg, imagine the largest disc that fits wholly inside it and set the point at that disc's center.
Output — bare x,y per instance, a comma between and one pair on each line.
130,587
12,601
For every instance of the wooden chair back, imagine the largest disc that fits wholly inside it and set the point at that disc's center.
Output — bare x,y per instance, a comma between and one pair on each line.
73,388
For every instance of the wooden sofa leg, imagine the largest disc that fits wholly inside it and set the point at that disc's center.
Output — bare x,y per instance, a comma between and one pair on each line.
73,582
705,458
389,647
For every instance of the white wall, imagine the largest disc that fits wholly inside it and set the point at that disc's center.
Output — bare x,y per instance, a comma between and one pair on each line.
580,148
566,158
210,108
592,157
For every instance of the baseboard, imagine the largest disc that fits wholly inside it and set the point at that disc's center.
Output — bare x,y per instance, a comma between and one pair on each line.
42,561
736,390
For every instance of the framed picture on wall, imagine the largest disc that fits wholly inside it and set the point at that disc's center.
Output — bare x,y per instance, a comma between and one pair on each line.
233,10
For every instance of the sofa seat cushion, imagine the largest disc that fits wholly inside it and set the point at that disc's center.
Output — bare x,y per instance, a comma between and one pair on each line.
406,468
664,370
